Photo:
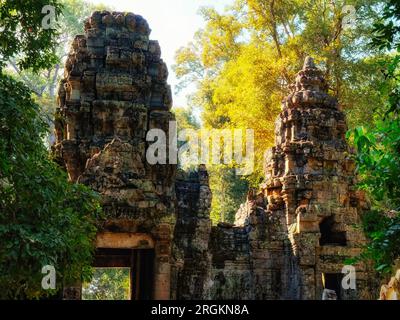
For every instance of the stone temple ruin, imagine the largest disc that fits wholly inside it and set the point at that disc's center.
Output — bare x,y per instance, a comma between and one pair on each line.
290,239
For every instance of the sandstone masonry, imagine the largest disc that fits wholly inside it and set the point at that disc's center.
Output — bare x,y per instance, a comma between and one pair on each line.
114,90
290,238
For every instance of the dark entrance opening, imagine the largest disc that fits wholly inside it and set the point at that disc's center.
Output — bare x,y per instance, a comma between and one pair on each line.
333,281
329,236
141,267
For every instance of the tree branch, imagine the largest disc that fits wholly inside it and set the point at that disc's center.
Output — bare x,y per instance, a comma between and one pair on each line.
29,83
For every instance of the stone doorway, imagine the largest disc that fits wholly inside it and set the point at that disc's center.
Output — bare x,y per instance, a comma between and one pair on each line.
139,264
135,251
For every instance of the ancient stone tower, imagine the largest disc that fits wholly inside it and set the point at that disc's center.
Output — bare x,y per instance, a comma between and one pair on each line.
290,239
113,92
310,186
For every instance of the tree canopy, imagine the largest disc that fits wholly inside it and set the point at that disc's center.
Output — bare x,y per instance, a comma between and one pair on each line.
378,149
244,59
44,218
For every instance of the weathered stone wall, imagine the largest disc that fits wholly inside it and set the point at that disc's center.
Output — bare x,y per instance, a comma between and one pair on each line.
230,274
192,234
224,261
296,233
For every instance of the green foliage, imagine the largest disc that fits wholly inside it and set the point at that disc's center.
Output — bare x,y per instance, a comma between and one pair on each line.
186,121
229,191
387,29
378,151
378,160
44,219
244,58
108,284
383,231
185,118
43,83
74,13
378,166
69,24
23,36
387,36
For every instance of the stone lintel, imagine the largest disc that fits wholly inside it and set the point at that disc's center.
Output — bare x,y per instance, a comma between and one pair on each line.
124,240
